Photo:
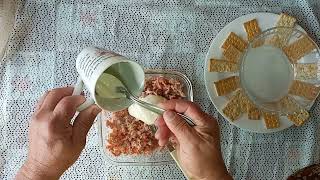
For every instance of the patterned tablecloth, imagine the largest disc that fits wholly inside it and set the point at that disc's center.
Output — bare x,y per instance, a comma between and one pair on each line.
176,34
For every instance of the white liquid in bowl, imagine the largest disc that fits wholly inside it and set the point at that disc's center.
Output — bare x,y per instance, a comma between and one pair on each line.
266,73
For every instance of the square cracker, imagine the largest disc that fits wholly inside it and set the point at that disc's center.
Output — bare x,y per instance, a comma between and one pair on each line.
218,65
299,117
232,110
252,28
236,41
253,112
232,54
244,102
299,48
282,36
227,85
288,104
271,120
306,71
285,20
304,89
296,113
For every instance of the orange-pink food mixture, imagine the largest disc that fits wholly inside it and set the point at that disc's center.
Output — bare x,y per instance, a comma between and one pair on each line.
130,136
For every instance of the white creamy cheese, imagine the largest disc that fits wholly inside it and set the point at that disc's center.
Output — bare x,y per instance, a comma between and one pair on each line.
144,114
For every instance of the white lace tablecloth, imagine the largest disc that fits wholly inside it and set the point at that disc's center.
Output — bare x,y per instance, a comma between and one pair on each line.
176,34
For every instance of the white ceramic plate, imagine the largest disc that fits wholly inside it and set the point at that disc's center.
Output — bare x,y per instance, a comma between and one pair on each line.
265,21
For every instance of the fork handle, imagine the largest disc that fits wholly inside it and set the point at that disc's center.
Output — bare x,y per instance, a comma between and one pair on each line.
159,110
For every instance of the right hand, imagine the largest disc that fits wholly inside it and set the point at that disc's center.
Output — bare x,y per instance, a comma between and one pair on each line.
198,147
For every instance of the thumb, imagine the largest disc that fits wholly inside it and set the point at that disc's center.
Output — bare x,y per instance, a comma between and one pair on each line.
178,126
83,123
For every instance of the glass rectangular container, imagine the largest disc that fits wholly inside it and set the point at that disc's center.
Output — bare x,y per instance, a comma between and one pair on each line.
158,157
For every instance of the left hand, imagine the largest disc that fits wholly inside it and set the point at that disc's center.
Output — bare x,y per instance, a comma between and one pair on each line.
55,144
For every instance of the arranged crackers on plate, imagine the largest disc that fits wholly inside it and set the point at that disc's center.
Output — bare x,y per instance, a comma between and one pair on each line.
227,85
304,89
286,21
281,38
244,102
299,117
271,120
233,48
299,48
235,41
253,112
218,65
288,104
232,54
297,114
252,29
233,110
306,71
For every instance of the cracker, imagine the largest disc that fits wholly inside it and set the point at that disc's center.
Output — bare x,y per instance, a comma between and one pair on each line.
286,21
299,48
271,120
289,105
299,117
227,85
306,71
304,89
232,110
243,102
252,28
283,35
236,41
275,41
296,113
232,54
218,65
253,112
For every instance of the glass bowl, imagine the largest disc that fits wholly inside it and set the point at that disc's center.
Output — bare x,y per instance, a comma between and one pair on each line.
158,157
281,63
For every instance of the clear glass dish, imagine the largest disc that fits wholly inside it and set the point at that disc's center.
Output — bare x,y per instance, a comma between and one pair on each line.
266,83
158,157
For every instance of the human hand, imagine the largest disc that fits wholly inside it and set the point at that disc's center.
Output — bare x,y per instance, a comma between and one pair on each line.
198,147
55,144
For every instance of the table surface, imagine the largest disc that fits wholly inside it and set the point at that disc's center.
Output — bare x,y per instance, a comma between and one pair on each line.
48,35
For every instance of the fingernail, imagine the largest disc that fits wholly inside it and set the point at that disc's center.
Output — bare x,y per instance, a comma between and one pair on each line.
161,143
169,115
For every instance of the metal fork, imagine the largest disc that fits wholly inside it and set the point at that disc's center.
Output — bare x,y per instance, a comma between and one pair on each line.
149,106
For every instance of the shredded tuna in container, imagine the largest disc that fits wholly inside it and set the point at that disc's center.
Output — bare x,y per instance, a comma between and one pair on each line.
128,135
161,86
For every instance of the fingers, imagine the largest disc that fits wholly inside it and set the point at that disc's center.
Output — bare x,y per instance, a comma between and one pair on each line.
83,123
66,108
40,102
163,133
179,127
188,108
54,97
